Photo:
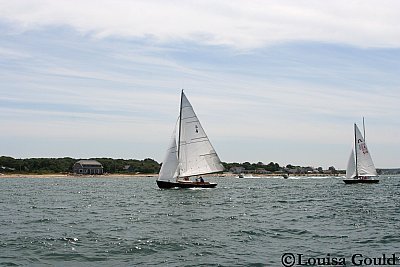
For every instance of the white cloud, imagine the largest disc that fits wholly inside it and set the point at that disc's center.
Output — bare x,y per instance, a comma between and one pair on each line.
235,23
7,53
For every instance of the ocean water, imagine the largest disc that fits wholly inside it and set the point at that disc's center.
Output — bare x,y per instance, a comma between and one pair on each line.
243,222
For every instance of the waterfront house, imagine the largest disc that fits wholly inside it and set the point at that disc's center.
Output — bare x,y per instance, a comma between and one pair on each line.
87,167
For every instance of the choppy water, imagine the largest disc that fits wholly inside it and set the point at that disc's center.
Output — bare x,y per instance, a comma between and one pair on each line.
242,222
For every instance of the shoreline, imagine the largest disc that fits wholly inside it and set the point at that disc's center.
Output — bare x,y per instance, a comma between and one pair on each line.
63,175
152,175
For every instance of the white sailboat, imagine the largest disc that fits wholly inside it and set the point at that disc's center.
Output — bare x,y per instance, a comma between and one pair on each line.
360,167
192,155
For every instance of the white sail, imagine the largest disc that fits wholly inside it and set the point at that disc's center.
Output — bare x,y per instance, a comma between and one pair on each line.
196,154
365,166
351,166
168,171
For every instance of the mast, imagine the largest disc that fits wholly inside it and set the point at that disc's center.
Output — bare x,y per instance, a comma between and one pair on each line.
355,148
179,132
364,129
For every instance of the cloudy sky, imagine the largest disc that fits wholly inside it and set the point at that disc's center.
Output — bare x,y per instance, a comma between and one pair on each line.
279,81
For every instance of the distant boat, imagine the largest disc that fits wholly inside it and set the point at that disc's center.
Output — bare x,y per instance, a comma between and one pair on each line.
192,156
241,175
360,168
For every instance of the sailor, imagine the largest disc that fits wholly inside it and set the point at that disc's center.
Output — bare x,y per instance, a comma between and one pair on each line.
201,179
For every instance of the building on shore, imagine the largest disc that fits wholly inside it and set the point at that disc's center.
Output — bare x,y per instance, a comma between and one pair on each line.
87,167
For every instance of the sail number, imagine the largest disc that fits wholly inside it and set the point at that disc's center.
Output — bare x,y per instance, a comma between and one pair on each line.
363,148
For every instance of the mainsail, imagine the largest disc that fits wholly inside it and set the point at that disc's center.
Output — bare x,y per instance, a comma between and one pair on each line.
360,164
195,154
365,166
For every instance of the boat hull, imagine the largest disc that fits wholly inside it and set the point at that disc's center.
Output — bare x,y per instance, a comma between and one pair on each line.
169,185
360,181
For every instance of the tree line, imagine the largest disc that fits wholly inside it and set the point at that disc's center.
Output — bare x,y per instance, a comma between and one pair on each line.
110,165
64,165
271,167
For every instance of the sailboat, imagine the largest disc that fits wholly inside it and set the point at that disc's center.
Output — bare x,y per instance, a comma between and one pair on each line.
192,156
360,168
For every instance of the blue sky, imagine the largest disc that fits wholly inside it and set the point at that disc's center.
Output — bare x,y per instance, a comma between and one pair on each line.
279,81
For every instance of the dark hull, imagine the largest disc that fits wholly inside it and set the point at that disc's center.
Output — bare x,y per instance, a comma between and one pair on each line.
169,185
360,181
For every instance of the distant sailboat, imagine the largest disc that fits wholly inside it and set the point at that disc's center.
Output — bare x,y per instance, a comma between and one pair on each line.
241,175
360,168
193,155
